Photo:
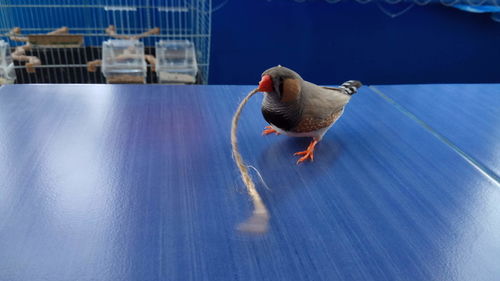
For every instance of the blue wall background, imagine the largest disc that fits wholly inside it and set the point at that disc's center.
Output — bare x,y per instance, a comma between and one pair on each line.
330,43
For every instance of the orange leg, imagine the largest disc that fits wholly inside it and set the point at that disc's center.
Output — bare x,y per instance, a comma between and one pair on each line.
308,153
269,130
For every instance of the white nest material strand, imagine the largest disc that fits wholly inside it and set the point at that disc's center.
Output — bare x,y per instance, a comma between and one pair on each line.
259,221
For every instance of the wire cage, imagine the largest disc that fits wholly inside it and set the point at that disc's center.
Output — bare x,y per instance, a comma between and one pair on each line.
53,41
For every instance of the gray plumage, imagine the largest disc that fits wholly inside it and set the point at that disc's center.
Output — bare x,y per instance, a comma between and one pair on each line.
297,108
321,105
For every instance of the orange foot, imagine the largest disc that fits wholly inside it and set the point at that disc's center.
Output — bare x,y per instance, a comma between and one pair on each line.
308,153
269,130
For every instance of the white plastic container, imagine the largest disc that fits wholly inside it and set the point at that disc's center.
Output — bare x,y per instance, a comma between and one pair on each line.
123,61
176,62
7,71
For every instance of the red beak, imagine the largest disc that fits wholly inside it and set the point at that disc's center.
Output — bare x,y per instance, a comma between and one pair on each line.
266,84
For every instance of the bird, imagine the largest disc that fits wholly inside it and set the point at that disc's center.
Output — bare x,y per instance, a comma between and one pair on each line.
298,108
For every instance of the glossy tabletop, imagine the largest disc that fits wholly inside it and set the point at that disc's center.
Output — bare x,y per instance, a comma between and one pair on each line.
137,182
464,116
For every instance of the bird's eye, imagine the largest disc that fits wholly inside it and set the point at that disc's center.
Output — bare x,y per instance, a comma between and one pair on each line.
281,87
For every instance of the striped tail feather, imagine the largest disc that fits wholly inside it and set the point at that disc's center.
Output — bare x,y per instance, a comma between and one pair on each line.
351,87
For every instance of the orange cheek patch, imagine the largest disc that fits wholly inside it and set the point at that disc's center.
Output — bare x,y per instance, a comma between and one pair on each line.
291,90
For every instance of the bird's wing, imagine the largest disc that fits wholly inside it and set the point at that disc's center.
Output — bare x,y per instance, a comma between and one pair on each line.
321,102
330,88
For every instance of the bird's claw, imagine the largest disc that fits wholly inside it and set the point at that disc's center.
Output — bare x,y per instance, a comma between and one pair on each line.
308,153
269,130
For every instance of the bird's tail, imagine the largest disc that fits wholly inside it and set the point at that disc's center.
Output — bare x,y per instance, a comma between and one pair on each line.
351,87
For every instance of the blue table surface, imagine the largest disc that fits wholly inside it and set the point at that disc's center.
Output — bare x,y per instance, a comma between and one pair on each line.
137,182
466,116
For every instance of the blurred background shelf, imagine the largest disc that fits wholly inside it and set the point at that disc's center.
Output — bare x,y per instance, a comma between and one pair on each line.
176,20
327,43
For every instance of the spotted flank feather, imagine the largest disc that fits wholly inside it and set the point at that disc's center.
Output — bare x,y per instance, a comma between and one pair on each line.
351,87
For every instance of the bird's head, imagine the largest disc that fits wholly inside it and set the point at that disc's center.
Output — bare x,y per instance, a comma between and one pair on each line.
281,83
